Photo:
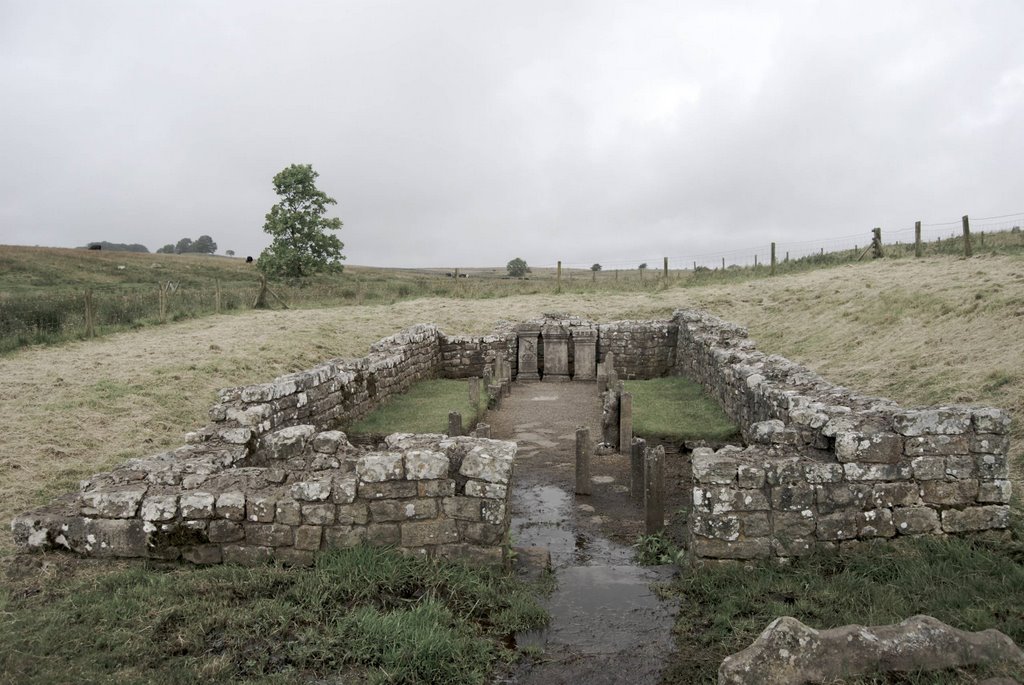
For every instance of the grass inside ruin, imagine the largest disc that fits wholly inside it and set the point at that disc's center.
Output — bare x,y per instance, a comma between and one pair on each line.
423,409
360,615
675,408
971,584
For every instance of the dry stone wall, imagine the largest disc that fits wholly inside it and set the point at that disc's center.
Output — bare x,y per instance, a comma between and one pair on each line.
640,349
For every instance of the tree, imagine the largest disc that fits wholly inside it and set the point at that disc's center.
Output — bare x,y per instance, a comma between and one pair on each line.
166,249
229,253
643,266
184,245
595,267
302,243
204,244
517,268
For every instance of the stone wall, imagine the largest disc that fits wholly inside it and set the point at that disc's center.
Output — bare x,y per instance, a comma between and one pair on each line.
640,349
828,466
465,356
298,492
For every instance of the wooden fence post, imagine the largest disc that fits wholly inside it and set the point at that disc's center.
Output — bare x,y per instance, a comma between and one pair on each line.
773,260
723,263
582,461
666,268
558,277
917,239
967,237
90,315
216,283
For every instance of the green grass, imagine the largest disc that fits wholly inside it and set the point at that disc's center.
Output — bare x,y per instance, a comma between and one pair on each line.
969,584
676,408
360,615
424,409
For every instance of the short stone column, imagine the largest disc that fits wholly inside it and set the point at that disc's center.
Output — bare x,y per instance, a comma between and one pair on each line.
528,341
584,341
556,353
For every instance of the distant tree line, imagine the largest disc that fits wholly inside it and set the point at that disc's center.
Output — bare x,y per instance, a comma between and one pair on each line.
202,245
115,247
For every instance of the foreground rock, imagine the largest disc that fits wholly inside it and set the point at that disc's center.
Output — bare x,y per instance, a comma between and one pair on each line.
789,652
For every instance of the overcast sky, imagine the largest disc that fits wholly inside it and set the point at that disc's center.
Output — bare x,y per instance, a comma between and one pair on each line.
468,133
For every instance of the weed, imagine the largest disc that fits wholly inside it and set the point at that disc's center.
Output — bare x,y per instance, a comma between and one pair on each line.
654,550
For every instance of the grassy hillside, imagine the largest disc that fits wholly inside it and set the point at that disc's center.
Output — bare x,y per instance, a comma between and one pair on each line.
928,331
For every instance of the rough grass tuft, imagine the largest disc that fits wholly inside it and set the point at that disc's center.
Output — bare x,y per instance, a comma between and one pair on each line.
676,408
424,408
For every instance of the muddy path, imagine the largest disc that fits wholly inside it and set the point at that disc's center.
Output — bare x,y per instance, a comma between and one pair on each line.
607,623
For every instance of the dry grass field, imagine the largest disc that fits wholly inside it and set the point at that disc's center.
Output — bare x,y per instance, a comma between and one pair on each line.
931,331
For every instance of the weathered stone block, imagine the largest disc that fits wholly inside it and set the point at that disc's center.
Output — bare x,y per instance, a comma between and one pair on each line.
348,514
793,497
202,554
113,504
989,443
493,511
493,465
975,518
383,534
944,421
989,420
955,493
465,508
928,468
793,547
720,527
313,490
757,548
869,448
197,505
994,491
268,534
793,524
823,472
260,508
287,442
289,512
225,531
868,472
876,523
290,556
381,466
750,476
329,442
936,445
785,471
415,508
711,469
481,533
159,508
345,536
476,488
395,489
473,554
308,537
436,488
247,555
319,514
425,465
915,520
231,505
755,524
842,525
889,495
992,466
961,467
422,533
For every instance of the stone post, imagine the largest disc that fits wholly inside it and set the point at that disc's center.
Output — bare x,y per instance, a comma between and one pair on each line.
483,430
625,422
584,342
654,489
583,461
556,353
494,396
636,470
528,341
474,392
454,424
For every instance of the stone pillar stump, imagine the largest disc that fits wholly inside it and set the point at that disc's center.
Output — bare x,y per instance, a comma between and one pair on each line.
528,341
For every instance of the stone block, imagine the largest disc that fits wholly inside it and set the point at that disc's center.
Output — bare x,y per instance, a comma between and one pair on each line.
464,508
290,556
872,472
876,523
928,468
481,533
989,420
711,469
915,520
260,508
992,466
400,510
491,464
113,504
720,527
395,489
344,536
940,421
472,554
494,512
785,471
225,531
948,494
329,442
287,442
793,524
383,534
793,547
936,445
869,448
422,533
975,518
425,465
989,443
961,467
313,490
308,537
750,476
889,495
159,508
994,491
842,525
197,505
202,554
756,548
289,512
318,514
823,472
476,488
795,497
436,488
378,467
348,514
268,534
231,505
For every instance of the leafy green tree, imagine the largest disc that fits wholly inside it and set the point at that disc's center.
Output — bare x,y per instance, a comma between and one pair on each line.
229,253
184,245
643,266
302,244
595,267
517,268
166,249
204,244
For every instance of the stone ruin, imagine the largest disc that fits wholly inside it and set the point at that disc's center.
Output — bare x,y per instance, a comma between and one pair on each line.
271,477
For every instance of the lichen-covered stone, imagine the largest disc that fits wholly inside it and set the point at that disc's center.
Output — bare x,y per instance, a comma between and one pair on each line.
870,448
401,510
197,505
916,520
113,504
994,491
317,490
713,469
932,445
159,508
330,442
381,466
491,464
975,518
943,420
423,533
231,505
990,420
425,465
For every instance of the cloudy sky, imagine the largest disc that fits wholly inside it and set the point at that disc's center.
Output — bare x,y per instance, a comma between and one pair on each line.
464,133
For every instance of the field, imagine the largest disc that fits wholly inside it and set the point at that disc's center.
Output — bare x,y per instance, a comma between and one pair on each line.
935,330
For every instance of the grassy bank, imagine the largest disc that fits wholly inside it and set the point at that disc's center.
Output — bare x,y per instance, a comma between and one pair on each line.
676,409
424,409
359,615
